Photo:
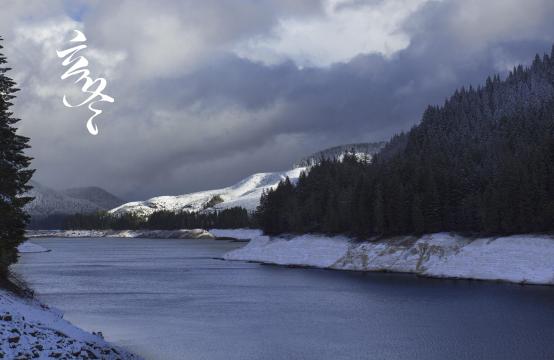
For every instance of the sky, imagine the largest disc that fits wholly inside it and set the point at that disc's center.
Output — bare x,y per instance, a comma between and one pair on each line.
208,92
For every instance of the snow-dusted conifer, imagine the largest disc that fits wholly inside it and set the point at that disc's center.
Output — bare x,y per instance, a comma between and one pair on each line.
14,173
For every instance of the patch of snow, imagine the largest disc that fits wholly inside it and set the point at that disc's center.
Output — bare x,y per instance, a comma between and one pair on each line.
29,247
520,259
30,330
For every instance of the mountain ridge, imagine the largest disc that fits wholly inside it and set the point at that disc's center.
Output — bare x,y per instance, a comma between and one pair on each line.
95,194
245,193
51,202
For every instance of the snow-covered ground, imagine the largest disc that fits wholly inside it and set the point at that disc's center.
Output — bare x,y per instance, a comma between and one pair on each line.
149,234
29,330
519,258
245,193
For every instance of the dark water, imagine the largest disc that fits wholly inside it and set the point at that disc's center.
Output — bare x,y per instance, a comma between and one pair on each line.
168,299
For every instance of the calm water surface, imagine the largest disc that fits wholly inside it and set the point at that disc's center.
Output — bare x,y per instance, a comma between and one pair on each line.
169,299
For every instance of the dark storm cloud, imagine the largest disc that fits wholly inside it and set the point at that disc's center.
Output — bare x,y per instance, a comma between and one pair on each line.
197,116
368,98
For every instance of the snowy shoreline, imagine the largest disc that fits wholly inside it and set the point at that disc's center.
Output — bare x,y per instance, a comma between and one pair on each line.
30,330
523,259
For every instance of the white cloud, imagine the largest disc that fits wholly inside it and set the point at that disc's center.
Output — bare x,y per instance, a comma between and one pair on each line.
158,42
346,29
166,39
478,23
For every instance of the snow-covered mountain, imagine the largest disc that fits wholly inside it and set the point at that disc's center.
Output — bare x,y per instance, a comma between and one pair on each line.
361,150
49,201
95,195
245,193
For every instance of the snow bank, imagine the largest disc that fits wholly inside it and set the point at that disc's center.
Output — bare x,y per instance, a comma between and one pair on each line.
29,247
150,234
305,250
29,330
520,259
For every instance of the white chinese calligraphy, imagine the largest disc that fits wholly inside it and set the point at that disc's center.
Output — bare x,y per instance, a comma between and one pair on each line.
78,67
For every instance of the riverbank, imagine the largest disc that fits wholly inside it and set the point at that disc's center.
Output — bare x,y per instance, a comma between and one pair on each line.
524,259
147,234
30,330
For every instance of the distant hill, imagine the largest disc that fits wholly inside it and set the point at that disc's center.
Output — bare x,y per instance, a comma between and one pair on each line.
79,200
361,150
95,195
247,192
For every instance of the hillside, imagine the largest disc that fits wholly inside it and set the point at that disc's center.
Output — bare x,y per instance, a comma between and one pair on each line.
78,200
245,193
95,195
483,163
49,201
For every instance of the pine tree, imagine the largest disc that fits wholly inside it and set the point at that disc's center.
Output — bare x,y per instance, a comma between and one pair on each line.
14,174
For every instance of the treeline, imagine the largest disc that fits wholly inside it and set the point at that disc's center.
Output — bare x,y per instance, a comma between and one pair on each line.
232,218
481,163
161,220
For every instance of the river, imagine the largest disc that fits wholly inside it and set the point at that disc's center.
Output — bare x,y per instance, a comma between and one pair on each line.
172,299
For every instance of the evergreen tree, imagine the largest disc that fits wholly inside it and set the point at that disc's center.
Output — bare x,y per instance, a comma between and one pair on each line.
14,174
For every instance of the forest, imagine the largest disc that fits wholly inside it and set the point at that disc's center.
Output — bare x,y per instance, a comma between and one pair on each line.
482,163
160,220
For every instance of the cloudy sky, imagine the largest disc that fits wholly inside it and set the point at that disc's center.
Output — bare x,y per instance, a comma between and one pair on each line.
209,91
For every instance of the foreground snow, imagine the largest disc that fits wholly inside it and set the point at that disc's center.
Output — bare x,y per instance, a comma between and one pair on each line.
148,234
29,330
519,259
